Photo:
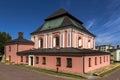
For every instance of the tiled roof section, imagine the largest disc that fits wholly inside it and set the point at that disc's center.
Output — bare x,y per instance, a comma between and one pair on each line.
59,13
62,52
20,41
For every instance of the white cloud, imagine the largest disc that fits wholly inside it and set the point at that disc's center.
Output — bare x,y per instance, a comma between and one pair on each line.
90,23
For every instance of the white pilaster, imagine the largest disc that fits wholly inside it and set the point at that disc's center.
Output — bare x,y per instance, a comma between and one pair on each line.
51,40
39,43
63,39
46,41
70,38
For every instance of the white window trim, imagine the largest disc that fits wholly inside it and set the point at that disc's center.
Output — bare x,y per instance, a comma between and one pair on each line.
79,42
51,40
54,42
39,43
63,40
89,44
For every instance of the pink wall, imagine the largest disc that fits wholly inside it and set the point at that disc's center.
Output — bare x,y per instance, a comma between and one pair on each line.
93,66
77,63
75,34
14,49
11,53
77,66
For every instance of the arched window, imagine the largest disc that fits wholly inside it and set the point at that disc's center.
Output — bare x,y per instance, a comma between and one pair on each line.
41,43
89,43
79,42
56,41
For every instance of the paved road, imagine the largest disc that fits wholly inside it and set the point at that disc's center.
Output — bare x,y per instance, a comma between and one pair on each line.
9,72
113,76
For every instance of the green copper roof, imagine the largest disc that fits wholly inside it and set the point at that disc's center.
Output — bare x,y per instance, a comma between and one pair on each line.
76,24
61,18
52,23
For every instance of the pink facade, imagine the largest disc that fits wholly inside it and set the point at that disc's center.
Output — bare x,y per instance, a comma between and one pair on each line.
80,64
68,38
11,50
61,44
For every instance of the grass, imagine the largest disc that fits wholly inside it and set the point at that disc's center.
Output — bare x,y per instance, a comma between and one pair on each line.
54,73
109,72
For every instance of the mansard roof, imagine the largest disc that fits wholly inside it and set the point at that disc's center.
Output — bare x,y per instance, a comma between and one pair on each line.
61,19
20,40
62,52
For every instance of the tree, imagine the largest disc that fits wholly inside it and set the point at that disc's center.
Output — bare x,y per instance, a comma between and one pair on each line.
4,37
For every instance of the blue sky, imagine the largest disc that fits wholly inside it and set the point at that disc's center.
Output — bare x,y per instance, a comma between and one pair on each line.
101,17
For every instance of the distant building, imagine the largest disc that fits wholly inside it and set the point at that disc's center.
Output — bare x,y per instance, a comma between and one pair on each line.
115,54
61,43
17,45
104,48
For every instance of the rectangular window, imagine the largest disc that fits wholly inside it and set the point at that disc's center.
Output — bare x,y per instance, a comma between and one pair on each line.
107,58
100,60
89,62
95,60
104,58
69,62
21,58
37,60
9,48
26,59
44,60
58,63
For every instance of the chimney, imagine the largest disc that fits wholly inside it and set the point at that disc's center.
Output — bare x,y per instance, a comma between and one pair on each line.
20,35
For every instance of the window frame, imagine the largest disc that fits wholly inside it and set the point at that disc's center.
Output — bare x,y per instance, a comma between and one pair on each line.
89,62
79,42
43,60
69,62
56,41
27,59
100,60
37,59
41,43
9,48
21,59
58,61
95,60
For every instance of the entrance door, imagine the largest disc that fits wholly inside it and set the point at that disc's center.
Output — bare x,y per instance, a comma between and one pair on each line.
31,61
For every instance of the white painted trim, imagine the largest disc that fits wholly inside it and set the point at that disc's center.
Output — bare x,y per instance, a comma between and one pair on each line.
54,42
60,39
46,41
83,40
51,40
39,43
70,38
30,60
67,39
63,38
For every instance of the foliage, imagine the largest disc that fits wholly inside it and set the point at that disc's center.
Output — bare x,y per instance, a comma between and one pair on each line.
4,37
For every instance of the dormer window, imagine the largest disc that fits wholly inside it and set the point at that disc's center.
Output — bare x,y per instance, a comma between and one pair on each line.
89,43
41,43
79,42
56,41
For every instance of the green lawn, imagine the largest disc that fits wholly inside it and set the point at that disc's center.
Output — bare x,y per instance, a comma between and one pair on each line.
53,73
